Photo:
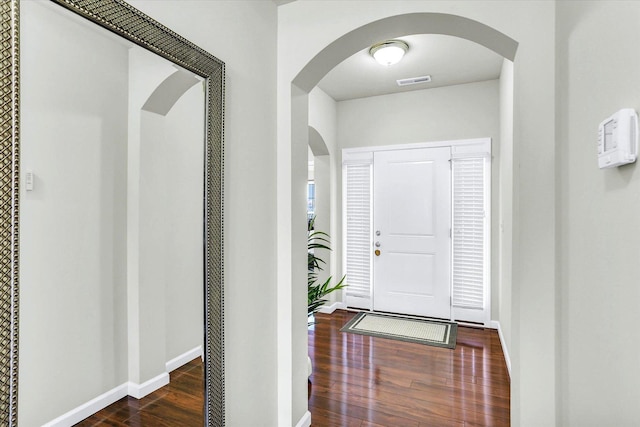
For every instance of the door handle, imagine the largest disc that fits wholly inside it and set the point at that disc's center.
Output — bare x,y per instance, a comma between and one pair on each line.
377,252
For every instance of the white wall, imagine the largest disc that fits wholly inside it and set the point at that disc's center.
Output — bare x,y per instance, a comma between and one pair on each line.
323,118
439,114
165,205
73,242
504,213
183,188
306,28
598,74
250,193
170,232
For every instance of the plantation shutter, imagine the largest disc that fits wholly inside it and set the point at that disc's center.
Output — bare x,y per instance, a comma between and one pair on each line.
358,192
470,238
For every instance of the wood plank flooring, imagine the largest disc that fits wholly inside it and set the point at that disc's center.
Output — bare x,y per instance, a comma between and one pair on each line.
180,403
361,381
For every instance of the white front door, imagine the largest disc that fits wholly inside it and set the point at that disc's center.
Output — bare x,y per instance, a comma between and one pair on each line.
412,220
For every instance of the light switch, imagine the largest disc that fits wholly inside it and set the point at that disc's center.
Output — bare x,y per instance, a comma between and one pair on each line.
28,180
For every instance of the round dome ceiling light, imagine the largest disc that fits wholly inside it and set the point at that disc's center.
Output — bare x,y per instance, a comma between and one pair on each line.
388,52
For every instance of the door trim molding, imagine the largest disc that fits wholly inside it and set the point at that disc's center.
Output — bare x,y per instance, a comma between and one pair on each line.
346,152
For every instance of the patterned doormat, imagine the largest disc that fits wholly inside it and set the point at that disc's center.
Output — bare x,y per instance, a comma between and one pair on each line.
430,332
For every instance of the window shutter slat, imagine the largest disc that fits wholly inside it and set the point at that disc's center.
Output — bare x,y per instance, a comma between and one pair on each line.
469,231
358,230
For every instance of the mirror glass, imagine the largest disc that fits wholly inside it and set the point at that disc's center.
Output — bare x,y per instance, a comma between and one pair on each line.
113,165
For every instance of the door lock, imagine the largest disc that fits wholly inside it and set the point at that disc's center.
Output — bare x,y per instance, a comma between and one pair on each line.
377,252
377,244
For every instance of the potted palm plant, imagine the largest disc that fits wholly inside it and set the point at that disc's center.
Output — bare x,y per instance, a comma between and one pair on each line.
316,292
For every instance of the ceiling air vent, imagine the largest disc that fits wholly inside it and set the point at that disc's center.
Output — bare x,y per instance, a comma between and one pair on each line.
414,80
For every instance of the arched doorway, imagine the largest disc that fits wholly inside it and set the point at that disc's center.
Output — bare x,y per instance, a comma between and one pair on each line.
291,330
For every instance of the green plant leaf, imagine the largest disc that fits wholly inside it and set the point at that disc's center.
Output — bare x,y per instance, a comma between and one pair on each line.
316,292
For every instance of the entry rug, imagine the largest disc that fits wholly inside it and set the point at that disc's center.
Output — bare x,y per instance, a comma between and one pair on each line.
430,332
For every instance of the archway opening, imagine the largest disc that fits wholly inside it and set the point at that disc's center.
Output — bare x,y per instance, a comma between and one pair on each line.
292,332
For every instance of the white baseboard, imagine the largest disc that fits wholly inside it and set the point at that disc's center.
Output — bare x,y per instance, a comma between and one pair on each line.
184,358
85,410
496,325
328,309
91,407
305,421
141,390
129,388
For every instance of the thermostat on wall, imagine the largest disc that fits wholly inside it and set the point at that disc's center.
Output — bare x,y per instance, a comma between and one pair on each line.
618,139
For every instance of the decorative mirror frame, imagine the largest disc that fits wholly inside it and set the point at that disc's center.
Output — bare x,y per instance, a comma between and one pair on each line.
128,22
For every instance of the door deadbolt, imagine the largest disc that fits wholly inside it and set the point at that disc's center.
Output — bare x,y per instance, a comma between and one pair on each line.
377,232
377,244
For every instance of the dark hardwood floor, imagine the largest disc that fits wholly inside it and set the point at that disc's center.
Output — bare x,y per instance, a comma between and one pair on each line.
180,403
361,381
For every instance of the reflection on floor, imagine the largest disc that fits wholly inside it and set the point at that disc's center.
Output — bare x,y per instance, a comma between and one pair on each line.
180,403
360,381
366,381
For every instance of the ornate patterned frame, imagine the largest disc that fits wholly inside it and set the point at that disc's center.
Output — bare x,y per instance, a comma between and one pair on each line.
128,22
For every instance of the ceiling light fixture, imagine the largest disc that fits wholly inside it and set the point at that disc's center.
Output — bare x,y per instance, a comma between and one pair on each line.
389,52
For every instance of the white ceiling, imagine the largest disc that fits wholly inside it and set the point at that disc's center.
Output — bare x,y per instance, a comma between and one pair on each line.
448,60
